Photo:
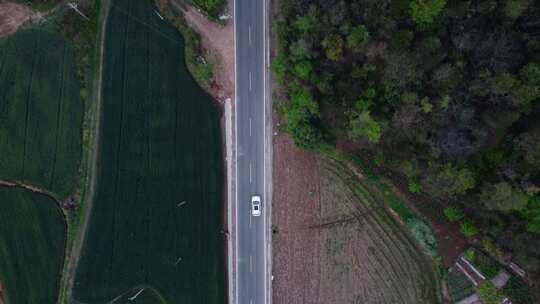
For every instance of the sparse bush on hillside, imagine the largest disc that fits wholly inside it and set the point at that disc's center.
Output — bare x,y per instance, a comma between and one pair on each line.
423,234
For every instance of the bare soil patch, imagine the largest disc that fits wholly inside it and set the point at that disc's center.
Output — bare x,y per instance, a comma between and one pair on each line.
218,40
13,15
332,244
295,210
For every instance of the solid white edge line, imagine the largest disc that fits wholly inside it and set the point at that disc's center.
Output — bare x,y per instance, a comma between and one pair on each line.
235,250
265,251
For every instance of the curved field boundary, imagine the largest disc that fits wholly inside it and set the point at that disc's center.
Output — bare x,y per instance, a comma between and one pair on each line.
33,234
372,257
40,112
142,294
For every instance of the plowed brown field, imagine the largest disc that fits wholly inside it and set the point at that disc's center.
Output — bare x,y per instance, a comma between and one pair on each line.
333,243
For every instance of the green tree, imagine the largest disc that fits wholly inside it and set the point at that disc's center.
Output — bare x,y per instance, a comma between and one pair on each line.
211,7
423,12
301,50
453,213
305,135
489,294
402,40
449,181
504,84
515,8
333,47
364,125
523,95
303,69
532,214
279,66
467,228
530,73
358,38
426,105
527,145
304,23
503,197
414,186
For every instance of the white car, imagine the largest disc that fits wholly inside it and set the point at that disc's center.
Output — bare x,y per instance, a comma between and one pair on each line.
256,205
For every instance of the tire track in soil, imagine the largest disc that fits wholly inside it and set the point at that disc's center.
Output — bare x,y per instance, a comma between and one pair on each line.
28,97
58,115
121,122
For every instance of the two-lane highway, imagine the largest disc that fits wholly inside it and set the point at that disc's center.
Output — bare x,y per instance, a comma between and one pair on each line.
250,68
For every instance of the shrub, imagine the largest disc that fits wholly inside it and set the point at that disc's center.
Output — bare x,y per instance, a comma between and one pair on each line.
467,228
453,213
469,254
490,247
423,234
212,7
414,186
489,294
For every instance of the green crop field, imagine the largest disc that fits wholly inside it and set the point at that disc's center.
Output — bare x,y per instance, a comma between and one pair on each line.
156,216
40,112
32,241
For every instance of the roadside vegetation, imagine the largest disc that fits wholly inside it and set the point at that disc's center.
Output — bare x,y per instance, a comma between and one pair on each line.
444,94
198,61
32,241
156,215
213,8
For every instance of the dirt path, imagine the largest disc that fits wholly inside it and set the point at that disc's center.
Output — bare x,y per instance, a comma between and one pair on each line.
13,15
27,187
71,267
218,40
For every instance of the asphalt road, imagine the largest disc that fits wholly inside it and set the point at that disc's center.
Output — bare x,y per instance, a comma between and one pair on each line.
251,266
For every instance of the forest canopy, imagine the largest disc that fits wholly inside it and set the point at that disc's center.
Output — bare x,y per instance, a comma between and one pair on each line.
446,91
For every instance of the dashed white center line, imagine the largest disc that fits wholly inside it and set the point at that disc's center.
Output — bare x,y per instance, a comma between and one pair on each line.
250,81
250,173
250,126
250,263
250,217
249,34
